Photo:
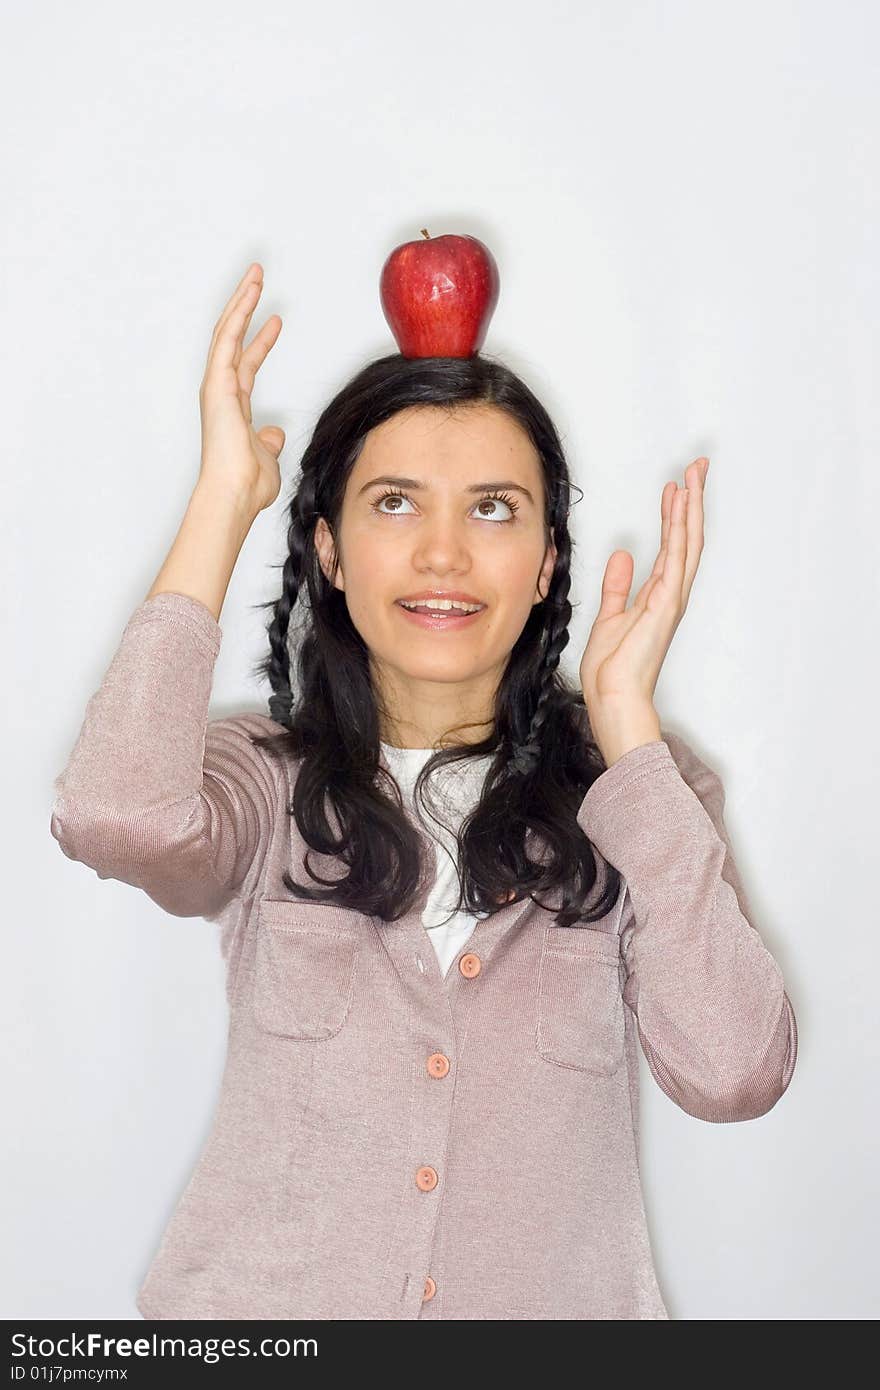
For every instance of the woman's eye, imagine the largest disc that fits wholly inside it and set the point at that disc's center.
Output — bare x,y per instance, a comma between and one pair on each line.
495,502
395,497
486,508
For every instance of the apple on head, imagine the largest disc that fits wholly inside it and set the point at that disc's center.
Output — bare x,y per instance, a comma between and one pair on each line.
439,294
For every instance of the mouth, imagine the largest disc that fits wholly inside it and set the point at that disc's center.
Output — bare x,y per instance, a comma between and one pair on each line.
441,615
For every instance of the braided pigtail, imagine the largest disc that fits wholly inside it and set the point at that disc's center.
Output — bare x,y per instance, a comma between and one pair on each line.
526,755
276,667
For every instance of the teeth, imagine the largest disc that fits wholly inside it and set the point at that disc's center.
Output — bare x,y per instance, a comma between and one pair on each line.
442,603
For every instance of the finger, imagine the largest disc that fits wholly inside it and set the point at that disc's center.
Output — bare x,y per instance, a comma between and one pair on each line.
641,598
227,349
672,576
253,274
694,529
665,518
257,351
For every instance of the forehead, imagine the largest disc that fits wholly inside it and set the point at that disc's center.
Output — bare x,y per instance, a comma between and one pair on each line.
429,439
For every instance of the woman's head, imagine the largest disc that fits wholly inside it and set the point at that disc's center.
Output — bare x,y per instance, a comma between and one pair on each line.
459,430
452,499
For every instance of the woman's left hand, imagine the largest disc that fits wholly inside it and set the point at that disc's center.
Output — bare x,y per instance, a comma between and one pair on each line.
626,647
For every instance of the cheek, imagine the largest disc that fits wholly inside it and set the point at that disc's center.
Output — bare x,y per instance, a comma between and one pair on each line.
514,581
368,571
504,623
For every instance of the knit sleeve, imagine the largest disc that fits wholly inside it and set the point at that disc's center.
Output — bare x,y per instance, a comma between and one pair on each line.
155,794
714,1019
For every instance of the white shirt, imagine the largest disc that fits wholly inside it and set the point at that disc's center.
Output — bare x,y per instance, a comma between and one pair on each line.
455,790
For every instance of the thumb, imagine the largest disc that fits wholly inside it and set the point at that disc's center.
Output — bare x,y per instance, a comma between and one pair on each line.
616,584
273,437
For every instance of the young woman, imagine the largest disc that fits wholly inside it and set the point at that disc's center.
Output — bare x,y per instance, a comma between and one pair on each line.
454,893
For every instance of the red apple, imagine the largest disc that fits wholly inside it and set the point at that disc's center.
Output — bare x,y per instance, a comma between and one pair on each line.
439,294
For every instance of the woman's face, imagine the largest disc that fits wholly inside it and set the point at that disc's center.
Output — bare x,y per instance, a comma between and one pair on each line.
444,532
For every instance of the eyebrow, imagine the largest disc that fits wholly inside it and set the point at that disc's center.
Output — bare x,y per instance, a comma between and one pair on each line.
417,485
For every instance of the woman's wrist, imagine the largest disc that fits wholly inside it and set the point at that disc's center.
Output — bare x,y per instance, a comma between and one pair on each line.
207,545
619,730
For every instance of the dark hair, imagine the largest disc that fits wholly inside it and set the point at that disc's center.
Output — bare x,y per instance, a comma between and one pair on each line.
544,756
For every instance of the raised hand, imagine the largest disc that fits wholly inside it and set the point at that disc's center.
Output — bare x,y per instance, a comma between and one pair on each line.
234,455
627,646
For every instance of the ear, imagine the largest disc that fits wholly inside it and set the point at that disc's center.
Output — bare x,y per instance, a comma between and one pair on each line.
325,546
546,570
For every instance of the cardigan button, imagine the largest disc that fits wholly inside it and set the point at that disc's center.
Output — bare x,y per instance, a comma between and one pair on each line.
438,1064
430,1289
426,1179
470,965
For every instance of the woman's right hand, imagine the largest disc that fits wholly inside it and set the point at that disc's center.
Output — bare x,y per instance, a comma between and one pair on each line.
235,457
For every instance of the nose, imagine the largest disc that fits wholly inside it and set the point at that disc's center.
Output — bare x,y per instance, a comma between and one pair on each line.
442,546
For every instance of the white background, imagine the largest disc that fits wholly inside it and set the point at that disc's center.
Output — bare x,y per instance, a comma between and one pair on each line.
682,199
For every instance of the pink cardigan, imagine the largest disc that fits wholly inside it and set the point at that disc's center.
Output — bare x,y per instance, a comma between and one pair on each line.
389,1143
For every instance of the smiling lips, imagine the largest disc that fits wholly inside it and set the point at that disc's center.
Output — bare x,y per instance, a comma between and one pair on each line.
442,600
438,605
435,614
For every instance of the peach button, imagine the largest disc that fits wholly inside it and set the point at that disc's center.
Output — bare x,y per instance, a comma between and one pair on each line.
430,1289
426,1179
470,965
438,1064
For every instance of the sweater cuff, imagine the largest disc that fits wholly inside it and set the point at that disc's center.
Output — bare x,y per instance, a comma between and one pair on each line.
184,611
631,767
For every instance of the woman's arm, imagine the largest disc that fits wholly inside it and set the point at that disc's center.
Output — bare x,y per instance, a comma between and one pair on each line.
715,1022
153,794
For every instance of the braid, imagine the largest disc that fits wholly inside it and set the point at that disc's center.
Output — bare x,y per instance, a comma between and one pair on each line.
526,756
292,572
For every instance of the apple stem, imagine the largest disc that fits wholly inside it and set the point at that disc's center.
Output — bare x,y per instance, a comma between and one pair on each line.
426,233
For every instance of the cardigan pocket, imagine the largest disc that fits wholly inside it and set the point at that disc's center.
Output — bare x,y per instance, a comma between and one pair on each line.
580,1020
304,968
